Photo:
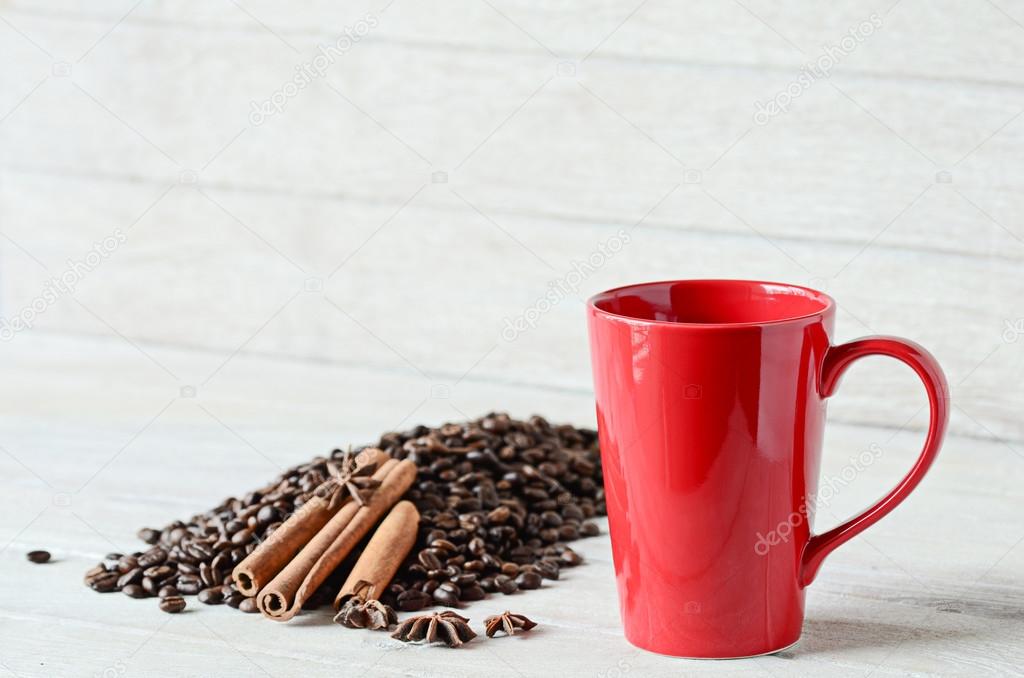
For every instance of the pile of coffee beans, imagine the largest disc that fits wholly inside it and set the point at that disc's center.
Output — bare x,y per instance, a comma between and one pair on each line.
498,500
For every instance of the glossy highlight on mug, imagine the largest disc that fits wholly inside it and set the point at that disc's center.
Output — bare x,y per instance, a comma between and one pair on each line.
711,399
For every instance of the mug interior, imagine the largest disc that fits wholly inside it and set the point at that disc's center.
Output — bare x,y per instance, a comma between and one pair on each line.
713,302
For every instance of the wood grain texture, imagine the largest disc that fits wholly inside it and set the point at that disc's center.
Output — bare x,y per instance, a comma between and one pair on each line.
934,589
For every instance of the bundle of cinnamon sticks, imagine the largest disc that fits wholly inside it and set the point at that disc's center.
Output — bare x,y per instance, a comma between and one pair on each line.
284,571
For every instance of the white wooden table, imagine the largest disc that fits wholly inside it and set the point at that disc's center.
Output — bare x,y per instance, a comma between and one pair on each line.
107,447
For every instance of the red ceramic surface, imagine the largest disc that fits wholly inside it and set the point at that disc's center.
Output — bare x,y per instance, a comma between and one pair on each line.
710,405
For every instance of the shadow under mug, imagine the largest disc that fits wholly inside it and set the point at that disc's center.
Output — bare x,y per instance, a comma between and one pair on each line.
711,407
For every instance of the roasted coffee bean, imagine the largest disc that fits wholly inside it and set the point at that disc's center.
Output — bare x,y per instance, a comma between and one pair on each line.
105,583
127,563
499,515
93,573
464,579
208,575
568,532
267,514
212,596
189,585
413,600
149,535
135,591
248,605
472,592
528,580
130,577
590,529
38,557
172,604
241,537
505,584
548,569
429,560
159,572
571,558
234,600
447,594
150,586
443,545
167,591
154,556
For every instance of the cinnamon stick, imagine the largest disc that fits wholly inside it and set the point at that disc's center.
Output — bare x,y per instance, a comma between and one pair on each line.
388,547
270,557
283,597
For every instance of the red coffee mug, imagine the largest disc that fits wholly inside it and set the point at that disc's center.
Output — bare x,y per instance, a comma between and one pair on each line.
710,407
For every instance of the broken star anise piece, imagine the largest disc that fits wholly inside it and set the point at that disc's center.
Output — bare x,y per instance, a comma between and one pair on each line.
362,611
446,627
366,614
507,622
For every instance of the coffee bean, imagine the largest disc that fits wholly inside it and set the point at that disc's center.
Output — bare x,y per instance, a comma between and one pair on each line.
167,591
93,573
505,584
134,591
234,600
242,537
413,600
472,592
189,585
548,569
499,515
105,583
127,563
571,558
568,532
159,573
212,596
149,535
38,557
447,594
429,560
248,605
590,529
172,604
443,545
130,577
267,515
154,556
464,579
528,581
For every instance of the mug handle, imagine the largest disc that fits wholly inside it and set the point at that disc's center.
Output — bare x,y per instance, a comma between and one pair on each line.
837,359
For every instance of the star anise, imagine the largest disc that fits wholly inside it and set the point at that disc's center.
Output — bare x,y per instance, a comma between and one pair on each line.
447,627
362,611
507,622
348,477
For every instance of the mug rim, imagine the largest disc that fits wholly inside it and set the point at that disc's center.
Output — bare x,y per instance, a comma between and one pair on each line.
827,308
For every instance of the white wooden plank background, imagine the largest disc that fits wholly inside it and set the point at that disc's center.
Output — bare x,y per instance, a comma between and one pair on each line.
315,281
